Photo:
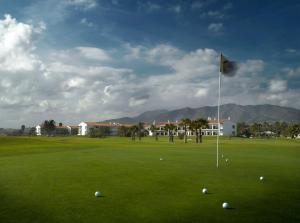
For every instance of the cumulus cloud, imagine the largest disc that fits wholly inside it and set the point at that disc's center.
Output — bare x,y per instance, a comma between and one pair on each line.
278,85
201,92
292,72
22,73
93,53
107,90
89,83
163,53
133,52
138,101
16,48
283,98
250,67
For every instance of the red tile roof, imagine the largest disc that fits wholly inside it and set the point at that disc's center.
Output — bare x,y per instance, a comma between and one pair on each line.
66,126
74,126
61,127
178,123
108,124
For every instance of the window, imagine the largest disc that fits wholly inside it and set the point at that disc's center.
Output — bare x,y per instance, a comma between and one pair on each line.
233,126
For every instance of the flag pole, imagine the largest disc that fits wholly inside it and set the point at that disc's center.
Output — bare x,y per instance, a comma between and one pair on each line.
219,96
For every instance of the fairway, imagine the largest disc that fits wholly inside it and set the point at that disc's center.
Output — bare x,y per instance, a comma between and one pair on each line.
54,180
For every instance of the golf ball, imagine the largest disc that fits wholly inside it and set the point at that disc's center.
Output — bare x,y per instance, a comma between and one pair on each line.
225,205
204,191
161,159
261,178
97,194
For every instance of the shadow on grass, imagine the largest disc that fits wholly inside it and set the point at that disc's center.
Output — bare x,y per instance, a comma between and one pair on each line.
14,209
230,208
101,196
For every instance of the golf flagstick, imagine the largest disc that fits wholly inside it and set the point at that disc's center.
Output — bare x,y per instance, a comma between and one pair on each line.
219,96
227,68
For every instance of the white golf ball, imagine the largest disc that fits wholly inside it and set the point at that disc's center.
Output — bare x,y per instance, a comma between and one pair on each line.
261,178
204,191
225,205
161,159
97,194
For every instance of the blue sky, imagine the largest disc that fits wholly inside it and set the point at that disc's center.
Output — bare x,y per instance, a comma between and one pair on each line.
75,60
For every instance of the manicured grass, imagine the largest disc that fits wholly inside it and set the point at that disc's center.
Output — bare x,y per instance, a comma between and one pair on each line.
54,180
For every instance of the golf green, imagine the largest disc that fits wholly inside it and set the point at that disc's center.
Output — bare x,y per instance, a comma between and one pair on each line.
53,179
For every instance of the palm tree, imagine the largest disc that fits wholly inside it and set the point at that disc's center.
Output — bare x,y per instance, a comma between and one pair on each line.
194,128
154,130
256,129
140,129
170,128
276,128
48,126
123,131
22,129
133,131
167,128
185,122
294,130
173,129
200,123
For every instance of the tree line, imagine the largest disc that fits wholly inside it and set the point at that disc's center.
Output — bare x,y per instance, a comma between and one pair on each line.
138,130
48,128
266,129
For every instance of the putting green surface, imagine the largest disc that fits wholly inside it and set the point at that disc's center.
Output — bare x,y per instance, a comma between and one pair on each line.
54,180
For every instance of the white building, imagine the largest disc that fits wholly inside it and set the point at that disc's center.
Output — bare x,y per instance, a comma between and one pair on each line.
227,128
84,127
58,129
38,130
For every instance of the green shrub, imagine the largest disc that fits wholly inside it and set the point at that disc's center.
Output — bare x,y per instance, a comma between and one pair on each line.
99,132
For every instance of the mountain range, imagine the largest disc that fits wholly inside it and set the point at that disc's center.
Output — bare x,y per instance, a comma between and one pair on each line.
237,113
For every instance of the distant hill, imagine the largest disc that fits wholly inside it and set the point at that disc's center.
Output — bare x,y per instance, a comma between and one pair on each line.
237,113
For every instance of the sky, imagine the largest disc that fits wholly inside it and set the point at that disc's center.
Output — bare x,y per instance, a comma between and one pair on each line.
91,60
